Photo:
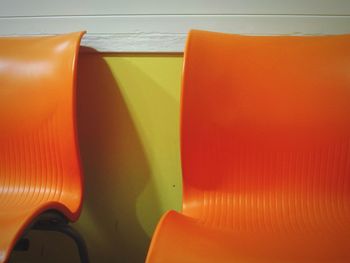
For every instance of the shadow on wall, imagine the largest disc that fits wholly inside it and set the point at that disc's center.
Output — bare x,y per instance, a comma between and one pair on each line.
115,167
129,146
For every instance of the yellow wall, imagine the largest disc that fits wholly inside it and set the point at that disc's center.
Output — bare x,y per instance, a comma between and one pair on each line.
128,116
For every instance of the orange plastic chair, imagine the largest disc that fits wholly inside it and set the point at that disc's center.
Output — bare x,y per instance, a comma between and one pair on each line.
265,147
40,172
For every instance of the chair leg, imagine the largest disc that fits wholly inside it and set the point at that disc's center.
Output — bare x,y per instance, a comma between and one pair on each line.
54,221
69,231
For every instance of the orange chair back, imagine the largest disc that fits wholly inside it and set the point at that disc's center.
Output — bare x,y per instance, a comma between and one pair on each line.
265,128
39,159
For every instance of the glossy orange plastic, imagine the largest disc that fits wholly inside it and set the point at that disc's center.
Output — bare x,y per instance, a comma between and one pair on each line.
39,159
265,147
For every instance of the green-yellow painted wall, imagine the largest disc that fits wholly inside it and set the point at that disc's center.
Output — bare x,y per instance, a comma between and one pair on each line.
128,119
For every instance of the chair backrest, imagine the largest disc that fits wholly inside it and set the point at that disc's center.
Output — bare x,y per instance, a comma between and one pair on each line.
39,160
265,127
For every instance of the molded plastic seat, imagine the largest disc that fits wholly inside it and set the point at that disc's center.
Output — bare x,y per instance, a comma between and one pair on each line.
265,148
39,160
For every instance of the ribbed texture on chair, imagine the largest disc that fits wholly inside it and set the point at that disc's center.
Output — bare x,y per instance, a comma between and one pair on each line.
31,168
279,191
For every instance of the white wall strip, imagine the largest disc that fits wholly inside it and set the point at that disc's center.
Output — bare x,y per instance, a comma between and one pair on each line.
161,26
15,8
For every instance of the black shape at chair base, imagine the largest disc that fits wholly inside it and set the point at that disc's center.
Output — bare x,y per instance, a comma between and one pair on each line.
54,221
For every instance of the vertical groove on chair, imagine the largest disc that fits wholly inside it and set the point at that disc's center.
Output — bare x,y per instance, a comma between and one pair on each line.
58,164
52,161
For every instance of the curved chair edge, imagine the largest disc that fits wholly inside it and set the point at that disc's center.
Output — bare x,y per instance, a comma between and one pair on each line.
79,36
156,233
169,221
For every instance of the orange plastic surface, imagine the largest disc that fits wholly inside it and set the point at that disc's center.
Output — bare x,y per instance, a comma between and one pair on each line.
265,147
39,159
